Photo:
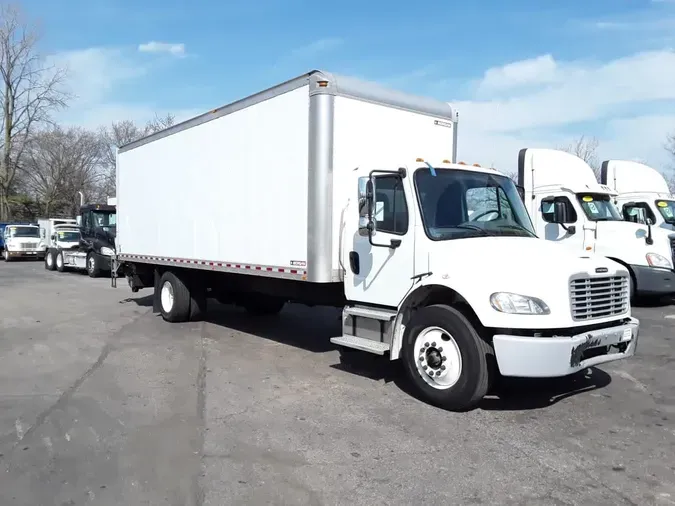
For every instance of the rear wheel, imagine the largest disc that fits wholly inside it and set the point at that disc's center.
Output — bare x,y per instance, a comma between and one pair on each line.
49,260
60,264
447,361
174,298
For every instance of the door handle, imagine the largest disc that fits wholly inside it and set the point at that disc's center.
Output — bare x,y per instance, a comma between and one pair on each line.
354,262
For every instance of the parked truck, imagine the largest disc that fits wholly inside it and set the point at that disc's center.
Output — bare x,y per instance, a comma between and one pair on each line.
569,207
95,247
326,190
642,193
22,241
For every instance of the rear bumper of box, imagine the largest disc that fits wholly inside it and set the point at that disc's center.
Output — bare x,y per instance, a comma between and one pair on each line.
548,357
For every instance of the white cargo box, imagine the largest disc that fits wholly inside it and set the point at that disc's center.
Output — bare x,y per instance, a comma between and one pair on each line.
258,186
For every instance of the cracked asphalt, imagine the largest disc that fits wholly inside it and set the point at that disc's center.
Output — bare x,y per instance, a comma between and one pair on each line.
101,402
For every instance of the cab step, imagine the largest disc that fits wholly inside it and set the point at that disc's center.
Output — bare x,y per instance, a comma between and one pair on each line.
359,343
373,314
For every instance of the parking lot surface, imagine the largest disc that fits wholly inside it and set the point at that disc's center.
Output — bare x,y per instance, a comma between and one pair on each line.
102,402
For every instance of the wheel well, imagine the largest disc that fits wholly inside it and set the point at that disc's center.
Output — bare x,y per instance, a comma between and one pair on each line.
438,294
630,271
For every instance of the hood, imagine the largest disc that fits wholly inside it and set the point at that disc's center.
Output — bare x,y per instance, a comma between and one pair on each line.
527,266
626,241
523,257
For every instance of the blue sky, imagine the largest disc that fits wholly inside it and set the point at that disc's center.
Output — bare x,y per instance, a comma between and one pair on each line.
522,73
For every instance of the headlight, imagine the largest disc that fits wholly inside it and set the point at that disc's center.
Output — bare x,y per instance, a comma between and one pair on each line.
513,303
107,252
656,260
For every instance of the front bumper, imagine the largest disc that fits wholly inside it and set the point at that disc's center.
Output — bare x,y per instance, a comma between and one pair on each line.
549,357
26,254
653,280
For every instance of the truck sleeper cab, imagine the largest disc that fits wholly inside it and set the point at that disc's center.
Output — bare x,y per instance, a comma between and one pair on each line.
570,208
432,262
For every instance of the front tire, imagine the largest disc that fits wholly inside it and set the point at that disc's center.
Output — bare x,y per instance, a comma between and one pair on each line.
5,254
447,361
93,265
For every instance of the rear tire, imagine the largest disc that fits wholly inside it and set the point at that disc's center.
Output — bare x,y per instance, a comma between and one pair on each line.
60,263
49,260
174,298
447,361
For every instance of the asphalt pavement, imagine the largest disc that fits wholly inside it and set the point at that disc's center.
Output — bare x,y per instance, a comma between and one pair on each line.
102,402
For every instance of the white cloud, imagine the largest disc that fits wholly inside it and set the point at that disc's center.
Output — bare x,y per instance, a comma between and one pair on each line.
544,102
163,47
95,76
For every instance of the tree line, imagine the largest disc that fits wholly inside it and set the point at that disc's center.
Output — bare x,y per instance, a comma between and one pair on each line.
43,165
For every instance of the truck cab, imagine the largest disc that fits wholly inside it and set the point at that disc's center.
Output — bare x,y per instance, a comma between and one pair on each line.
22,241
569,207
96,226
642,193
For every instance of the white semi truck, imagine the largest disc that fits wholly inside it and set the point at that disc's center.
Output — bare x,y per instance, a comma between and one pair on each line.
569,207
22,241
326,190
642,193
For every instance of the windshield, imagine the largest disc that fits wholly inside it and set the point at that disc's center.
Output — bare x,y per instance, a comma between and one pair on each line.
667,210
68,236
104,219
461,203
24,232
598,207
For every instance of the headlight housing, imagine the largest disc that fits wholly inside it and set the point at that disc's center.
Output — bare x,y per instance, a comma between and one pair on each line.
656,260
514,303
107,251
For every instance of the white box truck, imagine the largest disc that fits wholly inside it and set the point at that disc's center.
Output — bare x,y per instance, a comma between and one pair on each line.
570,208
325,190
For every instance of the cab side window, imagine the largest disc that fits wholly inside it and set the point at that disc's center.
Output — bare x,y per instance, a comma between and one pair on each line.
638,212
391,209
547,209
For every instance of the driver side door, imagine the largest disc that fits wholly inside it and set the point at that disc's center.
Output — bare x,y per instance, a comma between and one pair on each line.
377,273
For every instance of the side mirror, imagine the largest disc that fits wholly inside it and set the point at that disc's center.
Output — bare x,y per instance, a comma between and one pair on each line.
559,212
78,220
366,203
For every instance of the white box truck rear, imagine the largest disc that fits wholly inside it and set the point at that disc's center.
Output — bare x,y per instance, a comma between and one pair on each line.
328,190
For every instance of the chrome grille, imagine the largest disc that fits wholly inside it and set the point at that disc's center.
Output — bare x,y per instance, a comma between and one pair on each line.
28,245
672,247
600,297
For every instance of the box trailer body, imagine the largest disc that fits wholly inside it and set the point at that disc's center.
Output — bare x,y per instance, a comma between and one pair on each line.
327,190
570,208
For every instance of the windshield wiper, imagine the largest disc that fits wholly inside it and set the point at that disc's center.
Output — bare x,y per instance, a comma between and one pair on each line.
518,227
474,227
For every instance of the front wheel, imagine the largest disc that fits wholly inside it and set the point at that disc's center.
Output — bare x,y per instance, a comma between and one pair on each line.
5,254
447,361
93,267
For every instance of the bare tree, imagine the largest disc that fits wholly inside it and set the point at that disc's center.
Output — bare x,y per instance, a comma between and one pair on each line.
29,91
586,149
121,133
60,162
